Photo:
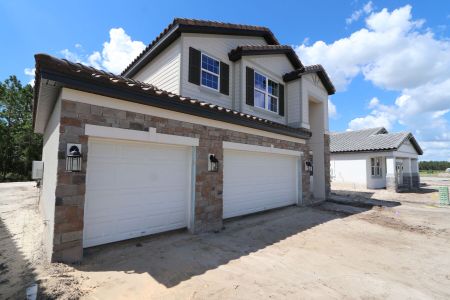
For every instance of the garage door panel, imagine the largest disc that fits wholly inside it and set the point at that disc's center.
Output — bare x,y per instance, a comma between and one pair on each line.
256,181
134,189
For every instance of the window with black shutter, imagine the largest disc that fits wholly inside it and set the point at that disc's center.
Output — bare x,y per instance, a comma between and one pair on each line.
267,93
194,66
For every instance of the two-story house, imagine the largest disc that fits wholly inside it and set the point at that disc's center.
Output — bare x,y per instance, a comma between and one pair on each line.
211,121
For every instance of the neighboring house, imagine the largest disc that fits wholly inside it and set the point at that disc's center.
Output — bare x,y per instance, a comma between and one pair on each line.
375,159
250,119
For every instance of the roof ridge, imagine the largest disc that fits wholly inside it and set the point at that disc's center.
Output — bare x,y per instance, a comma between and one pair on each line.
187,23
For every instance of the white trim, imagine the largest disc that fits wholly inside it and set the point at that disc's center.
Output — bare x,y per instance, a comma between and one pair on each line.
137,135
254,148
93,99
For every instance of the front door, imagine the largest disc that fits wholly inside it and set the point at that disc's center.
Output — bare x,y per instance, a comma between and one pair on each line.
399,172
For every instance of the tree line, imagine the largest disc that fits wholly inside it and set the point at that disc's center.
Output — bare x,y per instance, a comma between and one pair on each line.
434,165
19,145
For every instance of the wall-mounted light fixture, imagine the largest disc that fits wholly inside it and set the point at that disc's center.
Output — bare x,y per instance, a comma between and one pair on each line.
309,167
213,163
73,158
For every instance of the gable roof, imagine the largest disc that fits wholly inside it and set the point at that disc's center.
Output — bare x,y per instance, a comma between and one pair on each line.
319,70
180,25
52,72
240,51
370,140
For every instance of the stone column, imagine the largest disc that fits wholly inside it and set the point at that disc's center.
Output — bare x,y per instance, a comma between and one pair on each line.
407,183
391,178
415,178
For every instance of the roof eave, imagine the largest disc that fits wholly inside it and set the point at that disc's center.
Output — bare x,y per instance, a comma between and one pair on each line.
177,29
236,54
85,85
321,73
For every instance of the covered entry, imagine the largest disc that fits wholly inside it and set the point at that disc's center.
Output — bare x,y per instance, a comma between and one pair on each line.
259,178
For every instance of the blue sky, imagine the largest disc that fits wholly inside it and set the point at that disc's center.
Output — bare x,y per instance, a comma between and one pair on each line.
390,60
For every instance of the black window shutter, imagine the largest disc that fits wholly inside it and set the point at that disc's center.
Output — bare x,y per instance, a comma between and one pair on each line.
224,78
194,66
250,85
281,101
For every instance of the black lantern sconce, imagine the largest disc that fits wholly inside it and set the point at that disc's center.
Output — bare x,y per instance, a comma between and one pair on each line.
73,158
309,167
213,163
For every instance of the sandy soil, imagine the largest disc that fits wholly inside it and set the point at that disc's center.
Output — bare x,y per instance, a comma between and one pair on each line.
336,250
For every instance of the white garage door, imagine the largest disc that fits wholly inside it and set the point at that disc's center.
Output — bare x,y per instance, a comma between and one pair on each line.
255,181
134,189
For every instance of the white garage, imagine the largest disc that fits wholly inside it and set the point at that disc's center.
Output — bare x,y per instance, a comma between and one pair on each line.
259,178
135,189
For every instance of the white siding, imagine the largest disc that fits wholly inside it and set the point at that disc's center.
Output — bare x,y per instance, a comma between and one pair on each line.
293,106
217,46
164,70
355,168
50,158
349,168
407,147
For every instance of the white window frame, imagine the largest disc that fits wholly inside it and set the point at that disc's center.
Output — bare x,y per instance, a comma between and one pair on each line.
207,71
266,93
376,170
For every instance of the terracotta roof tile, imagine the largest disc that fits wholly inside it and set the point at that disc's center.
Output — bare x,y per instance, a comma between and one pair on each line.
65,70
203,26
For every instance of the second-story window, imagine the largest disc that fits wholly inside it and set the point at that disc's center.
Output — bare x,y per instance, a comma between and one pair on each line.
210,72
266,93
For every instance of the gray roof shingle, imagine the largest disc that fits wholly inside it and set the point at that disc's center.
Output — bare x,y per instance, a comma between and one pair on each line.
373,139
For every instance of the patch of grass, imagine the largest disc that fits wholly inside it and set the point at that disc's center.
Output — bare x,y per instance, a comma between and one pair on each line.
429,172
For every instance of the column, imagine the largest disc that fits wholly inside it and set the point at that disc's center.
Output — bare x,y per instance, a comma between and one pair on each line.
391,179
415,178
407,182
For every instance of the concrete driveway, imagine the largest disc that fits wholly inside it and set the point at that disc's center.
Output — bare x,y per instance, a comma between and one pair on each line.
334,250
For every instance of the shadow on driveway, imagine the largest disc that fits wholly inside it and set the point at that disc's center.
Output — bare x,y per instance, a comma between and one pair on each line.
172,258
16,273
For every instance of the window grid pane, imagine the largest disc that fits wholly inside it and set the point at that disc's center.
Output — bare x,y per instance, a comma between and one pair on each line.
210,80
260,99
273,104
273,88
260,81
210,64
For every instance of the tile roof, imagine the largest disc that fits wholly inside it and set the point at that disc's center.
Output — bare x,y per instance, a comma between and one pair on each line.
319,69
373,139
179,25
240,51
78,76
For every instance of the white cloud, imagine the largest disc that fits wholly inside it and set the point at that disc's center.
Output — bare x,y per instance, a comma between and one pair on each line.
380,116
373,102
394,52
391,51
357,14
332,112
116,54
30,72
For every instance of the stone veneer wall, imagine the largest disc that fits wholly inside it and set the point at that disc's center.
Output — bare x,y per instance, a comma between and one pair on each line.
407,181
71,186
415,180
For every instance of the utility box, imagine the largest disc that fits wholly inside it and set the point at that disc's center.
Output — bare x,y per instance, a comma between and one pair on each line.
37,171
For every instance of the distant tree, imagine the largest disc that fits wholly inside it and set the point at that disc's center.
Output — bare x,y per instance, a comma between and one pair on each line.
19,145
434,165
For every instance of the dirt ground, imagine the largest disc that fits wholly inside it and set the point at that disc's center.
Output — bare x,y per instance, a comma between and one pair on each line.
344,248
